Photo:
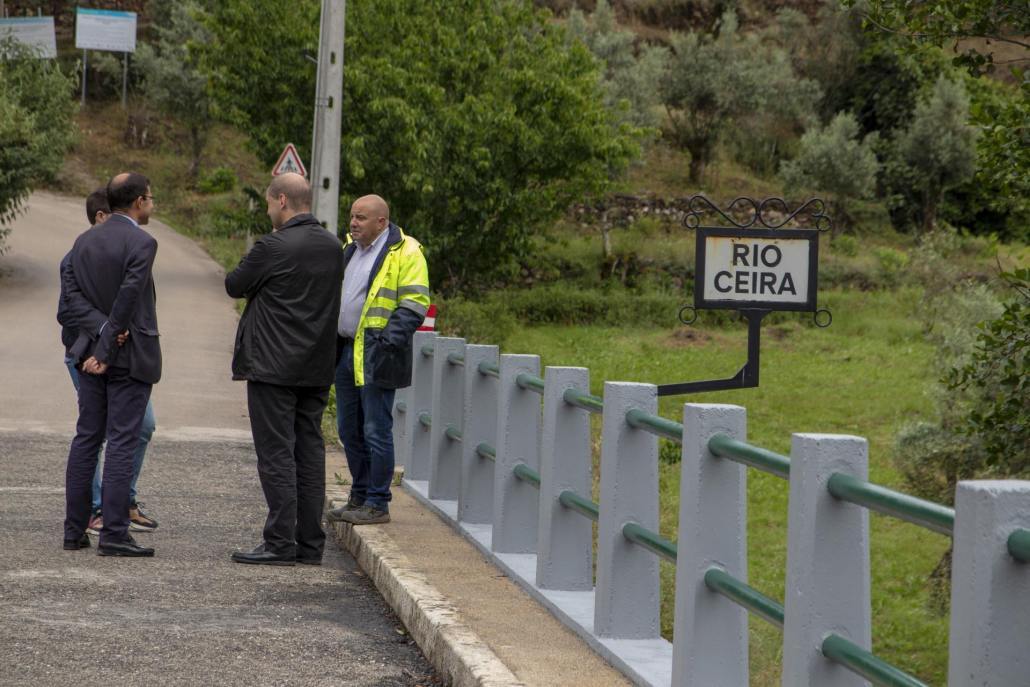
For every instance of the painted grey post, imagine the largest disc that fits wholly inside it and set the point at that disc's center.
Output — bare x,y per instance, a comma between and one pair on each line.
990,590
564,559
711,636
420,400
400,427
448,407
518,441
476,497
626,602
827,561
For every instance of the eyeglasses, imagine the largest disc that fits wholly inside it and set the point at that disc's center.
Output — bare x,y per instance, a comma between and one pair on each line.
146,197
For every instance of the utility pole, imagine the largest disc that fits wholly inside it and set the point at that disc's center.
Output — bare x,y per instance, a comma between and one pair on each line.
325,140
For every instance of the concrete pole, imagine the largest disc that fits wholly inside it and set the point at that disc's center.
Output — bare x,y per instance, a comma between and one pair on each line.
448,408
420,400
710,646
516,503
565,554
627,601
325,141
827,561
476,498
989,642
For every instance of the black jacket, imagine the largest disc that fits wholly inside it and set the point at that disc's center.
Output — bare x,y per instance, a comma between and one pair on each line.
80,321
111,269
291,279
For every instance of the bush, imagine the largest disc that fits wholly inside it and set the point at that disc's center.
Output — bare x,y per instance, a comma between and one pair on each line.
476,322
218,180
845,245
891,264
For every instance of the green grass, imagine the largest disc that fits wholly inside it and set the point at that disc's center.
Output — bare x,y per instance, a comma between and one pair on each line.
865,375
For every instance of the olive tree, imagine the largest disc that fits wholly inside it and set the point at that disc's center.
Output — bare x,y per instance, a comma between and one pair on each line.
939,145
833,159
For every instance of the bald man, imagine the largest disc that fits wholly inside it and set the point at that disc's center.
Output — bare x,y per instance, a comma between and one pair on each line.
385,298
112,264
284,350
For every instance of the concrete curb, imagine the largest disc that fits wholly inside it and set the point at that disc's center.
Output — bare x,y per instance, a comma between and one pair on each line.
435,625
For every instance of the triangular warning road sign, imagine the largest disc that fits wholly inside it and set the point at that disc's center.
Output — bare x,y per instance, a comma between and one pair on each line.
289,161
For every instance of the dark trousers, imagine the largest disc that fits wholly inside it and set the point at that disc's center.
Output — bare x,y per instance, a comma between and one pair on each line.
286,422
364,420
111,406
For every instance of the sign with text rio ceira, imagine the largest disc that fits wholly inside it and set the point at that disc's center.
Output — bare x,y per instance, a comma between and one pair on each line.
756,269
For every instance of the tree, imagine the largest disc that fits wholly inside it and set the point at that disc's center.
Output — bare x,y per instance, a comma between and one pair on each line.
939,145
713,80
630,72
171,79
834,160
476,119
36,111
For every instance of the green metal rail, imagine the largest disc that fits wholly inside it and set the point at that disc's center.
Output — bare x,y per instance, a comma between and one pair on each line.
453,433
655,424
456,359
489,369
401,407
580,504
743,452
530,382
574,397
527,474
1019,545
486,451
928,514
427,350
426,419
861,662
652,541
742,594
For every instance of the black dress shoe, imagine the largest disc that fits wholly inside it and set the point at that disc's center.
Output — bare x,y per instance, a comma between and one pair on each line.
309,561
76,544
261,557
129,547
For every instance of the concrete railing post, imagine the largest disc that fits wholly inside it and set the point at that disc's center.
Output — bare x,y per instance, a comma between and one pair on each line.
420,400
516,510
476,498
400,428
448,408
710,633
565,556
627,600
990,590
827,561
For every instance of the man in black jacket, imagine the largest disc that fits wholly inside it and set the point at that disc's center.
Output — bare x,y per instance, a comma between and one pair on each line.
113,265
285,349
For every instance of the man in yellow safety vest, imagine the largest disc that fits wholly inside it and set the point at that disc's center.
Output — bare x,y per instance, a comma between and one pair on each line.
385,298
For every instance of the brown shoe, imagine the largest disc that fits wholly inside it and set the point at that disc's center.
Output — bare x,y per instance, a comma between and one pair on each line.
140,521
96,523
336,514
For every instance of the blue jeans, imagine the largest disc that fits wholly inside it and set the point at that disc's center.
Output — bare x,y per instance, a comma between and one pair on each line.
145,433
364,419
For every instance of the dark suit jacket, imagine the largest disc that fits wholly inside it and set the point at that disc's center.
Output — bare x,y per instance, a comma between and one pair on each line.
111,269
80,321
291,279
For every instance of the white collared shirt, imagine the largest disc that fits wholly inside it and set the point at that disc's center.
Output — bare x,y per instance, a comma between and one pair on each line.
355,284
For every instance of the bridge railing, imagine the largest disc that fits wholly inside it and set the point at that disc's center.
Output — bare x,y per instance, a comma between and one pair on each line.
504,454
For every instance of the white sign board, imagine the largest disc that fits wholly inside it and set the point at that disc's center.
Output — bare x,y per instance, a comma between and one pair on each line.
757,269
105,30
289,161
35,32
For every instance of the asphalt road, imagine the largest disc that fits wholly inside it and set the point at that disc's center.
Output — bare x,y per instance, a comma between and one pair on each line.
188,616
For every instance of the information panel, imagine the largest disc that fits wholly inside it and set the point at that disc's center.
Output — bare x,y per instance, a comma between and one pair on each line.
756,269
105,30
35,32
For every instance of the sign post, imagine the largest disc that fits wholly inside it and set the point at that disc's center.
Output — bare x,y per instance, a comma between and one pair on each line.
754,266
105,30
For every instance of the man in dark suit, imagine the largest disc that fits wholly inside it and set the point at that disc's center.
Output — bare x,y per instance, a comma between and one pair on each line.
112,264
285,349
